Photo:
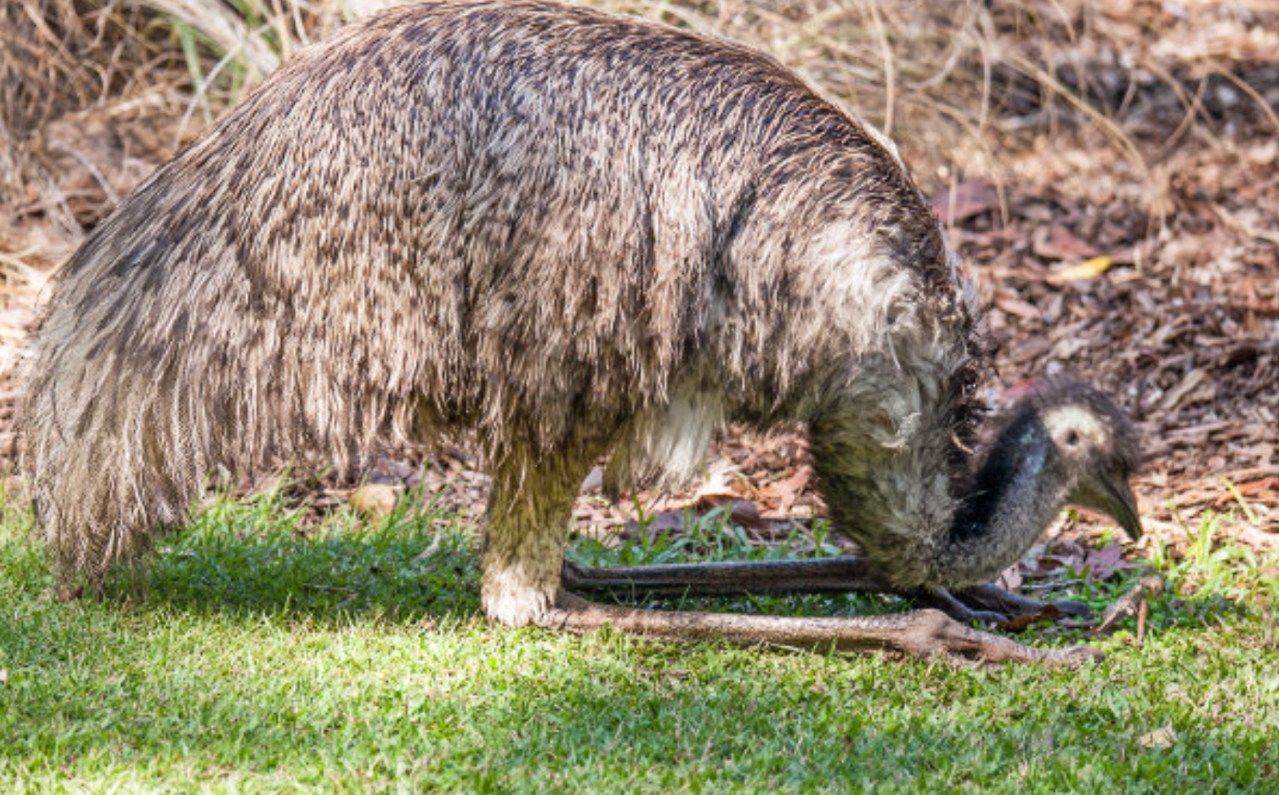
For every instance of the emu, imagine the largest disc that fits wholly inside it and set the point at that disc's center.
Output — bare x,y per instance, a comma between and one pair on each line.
565,234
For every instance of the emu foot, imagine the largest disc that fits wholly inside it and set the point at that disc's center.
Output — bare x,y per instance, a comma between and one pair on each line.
920,633
996,599
956,607
993,605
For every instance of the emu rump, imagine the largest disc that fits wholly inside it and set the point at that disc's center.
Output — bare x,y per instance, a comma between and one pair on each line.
566,234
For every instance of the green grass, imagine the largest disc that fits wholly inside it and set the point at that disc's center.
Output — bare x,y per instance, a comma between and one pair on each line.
256,655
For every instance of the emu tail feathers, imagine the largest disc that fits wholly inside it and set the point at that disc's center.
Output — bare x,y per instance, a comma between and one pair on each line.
113,457
160,357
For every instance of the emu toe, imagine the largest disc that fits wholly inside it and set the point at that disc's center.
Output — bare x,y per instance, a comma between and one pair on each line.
996,599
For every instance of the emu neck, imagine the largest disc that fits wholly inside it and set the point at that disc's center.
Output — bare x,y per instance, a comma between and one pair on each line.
1017,492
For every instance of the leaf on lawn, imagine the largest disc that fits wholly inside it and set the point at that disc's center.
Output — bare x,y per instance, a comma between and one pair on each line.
1186,388
1163,737
1062,556
1007,301
660,523
798,480
743,513
430,550
594,481
1010,579
1050,612
779,496
1129,604
69,594
1102,564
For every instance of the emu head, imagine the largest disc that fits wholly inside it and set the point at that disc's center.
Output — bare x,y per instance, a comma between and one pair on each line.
1093,447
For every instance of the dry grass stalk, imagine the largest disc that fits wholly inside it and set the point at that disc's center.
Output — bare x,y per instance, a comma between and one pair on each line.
951,81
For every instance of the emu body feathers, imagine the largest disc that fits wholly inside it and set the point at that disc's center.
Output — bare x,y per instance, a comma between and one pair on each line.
566,232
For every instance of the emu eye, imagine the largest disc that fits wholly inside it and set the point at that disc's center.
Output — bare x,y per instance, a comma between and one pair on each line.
1072,438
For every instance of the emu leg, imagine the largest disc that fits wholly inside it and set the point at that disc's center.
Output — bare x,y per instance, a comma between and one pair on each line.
923,633
828,575
526,529
852,573
524,545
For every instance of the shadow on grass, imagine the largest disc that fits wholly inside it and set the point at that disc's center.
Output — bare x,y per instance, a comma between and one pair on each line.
516,712
402,571
262,557
398,571
255,558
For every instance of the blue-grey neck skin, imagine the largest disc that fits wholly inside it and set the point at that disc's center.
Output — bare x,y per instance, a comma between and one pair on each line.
1018,491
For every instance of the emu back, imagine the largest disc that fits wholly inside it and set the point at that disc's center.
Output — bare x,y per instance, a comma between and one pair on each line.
563,232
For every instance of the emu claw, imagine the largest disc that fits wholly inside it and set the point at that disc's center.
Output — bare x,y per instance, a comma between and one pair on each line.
1020,610
988,604
962,645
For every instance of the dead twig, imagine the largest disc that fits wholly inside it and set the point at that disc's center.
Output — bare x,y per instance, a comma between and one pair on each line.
1131,603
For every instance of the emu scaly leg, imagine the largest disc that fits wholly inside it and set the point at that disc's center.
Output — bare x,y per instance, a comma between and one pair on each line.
530,504
523,559
923,633
826,575
848,574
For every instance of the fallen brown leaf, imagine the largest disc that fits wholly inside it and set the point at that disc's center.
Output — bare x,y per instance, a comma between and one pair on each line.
374,500
69,594
1020,623
964,201
1163,737
743,513
1009,303
1057,243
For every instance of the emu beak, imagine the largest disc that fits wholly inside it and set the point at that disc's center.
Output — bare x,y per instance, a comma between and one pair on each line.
1121,504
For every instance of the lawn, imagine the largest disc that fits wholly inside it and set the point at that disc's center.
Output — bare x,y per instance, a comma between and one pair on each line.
259,653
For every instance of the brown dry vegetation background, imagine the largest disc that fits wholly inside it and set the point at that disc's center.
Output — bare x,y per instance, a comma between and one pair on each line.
1109,170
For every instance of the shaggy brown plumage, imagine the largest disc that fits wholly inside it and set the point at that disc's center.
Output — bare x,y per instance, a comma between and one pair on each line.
566,232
